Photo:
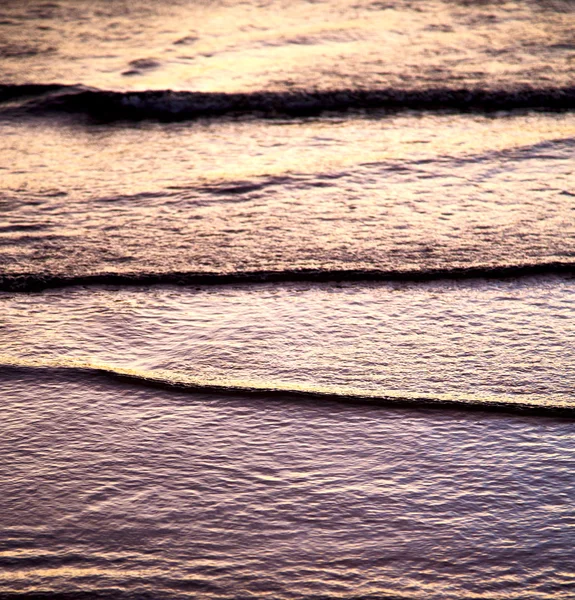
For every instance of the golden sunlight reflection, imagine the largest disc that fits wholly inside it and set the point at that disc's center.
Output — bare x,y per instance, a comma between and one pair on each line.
222,46
252,150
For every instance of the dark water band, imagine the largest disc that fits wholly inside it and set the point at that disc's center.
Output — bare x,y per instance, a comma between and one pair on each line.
166,105
32,90
37,282
68,373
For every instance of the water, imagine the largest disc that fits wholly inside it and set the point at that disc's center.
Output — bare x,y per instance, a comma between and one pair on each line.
228,46
180,496
287,299
396,193
478,342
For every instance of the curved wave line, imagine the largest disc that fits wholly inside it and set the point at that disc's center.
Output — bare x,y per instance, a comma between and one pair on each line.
168,105
166,381
28,282
10,92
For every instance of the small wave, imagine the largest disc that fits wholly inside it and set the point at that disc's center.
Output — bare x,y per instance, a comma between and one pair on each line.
167,105
34,90
167,380
27,282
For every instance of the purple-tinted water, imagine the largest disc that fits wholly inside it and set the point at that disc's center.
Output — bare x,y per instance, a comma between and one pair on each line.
215,441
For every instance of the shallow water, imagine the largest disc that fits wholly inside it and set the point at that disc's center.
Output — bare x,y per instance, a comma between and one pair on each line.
116,488
133,493
403,192
229,46
312,329
481,342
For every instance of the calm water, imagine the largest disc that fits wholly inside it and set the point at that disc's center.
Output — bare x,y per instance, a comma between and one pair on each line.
340,399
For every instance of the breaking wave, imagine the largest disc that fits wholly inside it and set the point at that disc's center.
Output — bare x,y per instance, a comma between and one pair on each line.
167,105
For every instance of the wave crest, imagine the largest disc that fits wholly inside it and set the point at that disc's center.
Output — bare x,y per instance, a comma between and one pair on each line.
167,105
28,282
169,381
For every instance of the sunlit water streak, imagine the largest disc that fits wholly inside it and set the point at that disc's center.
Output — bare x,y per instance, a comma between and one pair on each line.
230,46
403,192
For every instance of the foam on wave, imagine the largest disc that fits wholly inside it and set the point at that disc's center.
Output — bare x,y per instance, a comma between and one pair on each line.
173,382
167,105
27,282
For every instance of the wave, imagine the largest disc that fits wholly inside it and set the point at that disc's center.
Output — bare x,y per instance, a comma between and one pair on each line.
32,90
27,282
167,380
167,105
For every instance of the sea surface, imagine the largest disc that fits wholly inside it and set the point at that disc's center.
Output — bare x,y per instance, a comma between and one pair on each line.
287,299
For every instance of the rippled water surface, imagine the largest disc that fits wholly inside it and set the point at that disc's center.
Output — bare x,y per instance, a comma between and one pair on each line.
286,299
229,46
481,341
400,192
147,494
114,486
